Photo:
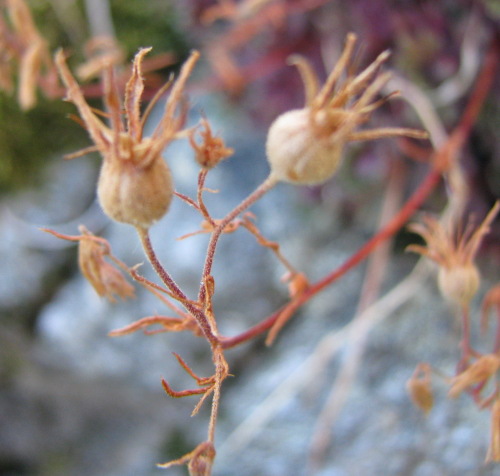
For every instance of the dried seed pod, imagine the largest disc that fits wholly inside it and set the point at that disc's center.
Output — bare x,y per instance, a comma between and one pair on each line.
305,146
135,184
297,154
454,250
135,192
459,284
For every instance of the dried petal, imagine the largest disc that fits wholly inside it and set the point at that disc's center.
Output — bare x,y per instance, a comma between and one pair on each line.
480,371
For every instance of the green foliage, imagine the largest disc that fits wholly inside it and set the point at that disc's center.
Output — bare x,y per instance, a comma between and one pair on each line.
152,23
29,139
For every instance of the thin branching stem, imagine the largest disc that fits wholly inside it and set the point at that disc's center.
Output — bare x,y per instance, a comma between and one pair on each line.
201,204
261,190
162,273
414,202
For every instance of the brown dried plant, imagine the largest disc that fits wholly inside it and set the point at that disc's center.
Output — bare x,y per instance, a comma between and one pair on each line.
304,146
25,53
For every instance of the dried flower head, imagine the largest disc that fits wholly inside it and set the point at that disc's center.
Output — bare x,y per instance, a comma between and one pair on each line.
305,146
454,252
212,148
135,185
107,280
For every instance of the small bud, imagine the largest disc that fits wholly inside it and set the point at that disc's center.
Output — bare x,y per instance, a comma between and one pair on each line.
305,146
135,192
211,150
199,461
298,283
459,284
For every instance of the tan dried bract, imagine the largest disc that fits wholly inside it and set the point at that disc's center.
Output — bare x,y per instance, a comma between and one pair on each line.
93,252
479,372
211,150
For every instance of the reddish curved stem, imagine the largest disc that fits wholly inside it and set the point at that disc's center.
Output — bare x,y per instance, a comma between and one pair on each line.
426,187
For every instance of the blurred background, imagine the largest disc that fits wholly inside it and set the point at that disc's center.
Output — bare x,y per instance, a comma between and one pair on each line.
76,402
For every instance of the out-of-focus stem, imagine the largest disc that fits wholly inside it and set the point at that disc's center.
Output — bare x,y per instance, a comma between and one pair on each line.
465,342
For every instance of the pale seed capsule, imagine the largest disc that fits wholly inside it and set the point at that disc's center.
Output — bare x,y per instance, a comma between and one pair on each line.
297,153
459,284
135,191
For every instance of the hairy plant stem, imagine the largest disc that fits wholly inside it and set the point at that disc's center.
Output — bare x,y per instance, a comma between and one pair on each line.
413,203
162,273
220,374
201,204
261,190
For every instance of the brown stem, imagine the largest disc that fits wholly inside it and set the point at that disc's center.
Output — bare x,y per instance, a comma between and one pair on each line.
201,204
414,202
264,187
200,317
221,372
